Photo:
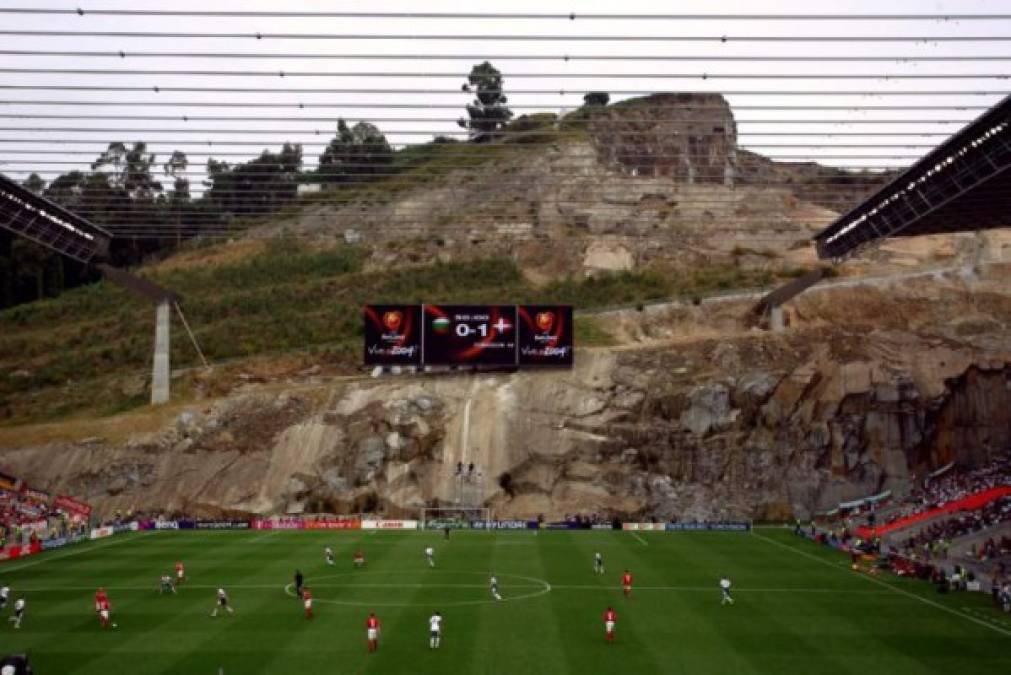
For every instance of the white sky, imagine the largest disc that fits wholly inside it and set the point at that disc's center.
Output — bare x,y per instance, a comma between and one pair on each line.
608,76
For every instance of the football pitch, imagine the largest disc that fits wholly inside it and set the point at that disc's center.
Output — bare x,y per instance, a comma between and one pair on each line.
798,608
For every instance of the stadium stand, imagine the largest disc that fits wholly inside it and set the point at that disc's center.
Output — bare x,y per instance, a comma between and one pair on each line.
29,516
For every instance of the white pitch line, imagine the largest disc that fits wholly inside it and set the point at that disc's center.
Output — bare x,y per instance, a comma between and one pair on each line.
563,587
84,548
641,540
263,536
890,587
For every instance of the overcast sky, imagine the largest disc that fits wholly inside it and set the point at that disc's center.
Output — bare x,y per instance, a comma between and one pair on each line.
552,74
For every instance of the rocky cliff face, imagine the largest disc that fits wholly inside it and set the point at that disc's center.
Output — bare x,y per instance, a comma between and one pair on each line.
691,138
697,416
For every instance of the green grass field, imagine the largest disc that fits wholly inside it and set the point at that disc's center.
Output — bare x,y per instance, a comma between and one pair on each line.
799,609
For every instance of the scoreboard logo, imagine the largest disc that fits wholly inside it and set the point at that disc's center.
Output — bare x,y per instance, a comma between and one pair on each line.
392,335
392,320
470,335
545,320
545,335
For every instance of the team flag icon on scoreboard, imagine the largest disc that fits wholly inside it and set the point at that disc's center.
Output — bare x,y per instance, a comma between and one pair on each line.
440,325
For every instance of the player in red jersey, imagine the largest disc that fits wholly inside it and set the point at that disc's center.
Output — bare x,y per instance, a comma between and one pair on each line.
99,597
626,583
104,611
307,601
610,618
372,631
359,558
180,573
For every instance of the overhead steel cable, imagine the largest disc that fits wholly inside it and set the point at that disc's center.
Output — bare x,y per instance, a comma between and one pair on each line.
560,134
519,147
567,58
506,218
750,146
610,123
556,76
316,105
557,92
484,38
562,16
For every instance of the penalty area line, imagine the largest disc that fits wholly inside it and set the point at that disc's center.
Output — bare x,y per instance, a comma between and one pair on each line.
890,587
640,539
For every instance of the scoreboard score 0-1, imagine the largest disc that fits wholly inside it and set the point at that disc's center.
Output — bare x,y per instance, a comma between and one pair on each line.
470,335
503,336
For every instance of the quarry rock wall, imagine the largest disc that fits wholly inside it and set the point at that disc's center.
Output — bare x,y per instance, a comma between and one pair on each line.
766,426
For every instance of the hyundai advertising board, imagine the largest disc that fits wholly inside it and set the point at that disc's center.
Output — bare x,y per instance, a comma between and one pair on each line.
393,335
470,335
545,335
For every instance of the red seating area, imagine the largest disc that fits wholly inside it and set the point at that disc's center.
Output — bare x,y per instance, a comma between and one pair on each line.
971,502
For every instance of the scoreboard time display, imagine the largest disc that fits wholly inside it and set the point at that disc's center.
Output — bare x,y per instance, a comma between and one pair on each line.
469,335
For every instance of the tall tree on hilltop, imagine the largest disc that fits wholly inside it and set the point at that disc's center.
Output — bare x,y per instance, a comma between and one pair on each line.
131,169
261,185
596,98
35,183
175,168
356,153
488,113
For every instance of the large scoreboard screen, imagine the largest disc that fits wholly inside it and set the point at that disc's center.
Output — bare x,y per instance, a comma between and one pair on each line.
470,335
393,335
508,336
545,335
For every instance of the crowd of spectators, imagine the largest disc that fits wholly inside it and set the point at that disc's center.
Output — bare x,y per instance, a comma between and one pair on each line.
991,549
934,540
25,518
952,486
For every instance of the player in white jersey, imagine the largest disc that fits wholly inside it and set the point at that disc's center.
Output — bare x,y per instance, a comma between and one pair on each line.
222,603
725,591
5,594
329,556
493,583
166,585
19,612
435,630
598,563
430,555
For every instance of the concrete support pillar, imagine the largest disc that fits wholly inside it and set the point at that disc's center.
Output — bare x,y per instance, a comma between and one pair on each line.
776,323
160,370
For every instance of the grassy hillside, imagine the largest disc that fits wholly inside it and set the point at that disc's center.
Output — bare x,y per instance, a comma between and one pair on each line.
89,350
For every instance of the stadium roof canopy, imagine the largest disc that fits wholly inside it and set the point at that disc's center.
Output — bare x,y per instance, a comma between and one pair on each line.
28,215
963,184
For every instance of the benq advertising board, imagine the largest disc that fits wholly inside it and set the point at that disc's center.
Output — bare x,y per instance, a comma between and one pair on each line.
393,335
469,335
